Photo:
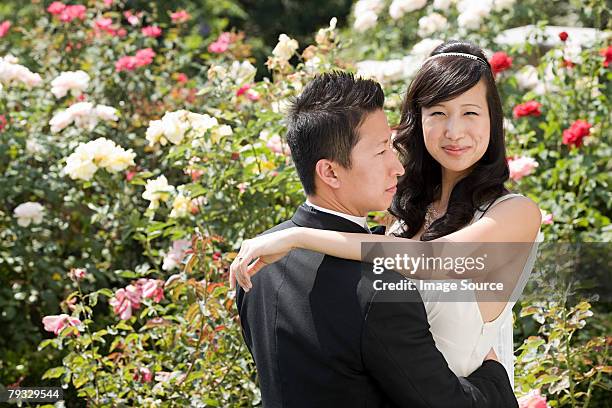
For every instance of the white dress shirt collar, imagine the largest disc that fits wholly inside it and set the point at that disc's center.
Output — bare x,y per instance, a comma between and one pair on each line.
361,221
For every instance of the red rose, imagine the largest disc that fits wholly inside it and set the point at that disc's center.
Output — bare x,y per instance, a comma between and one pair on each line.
607,54
531,108
574,135
500,61
563,36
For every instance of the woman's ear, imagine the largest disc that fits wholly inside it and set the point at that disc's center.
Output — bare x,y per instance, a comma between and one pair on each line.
326,172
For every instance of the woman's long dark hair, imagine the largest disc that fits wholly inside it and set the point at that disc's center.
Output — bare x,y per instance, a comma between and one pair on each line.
441,79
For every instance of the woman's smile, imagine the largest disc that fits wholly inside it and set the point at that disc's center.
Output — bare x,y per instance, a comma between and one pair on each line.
456,150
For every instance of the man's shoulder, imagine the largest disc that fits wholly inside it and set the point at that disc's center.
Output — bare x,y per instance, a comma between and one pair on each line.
281,226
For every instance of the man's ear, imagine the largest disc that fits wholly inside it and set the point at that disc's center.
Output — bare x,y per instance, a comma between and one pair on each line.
326,171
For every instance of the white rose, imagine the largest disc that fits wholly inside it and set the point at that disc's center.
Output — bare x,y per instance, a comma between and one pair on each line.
155,133
74,81
472,13
30,212
242,72
175,126
369,5
83,114
572,52
223,130
100,149
33,147
527,77
431,24
202,122
106,112
10,71
117,159
157,190
285,48
423,48
60,121
500,5
78,167
80,109
400,7
365,20
180,206
442,4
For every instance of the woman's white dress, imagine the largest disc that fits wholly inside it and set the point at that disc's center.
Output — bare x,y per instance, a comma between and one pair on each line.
459,331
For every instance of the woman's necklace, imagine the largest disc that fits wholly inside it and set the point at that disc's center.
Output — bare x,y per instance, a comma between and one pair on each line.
431,214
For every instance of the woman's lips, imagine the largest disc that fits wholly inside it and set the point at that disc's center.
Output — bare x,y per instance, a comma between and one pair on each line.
455,150
392,190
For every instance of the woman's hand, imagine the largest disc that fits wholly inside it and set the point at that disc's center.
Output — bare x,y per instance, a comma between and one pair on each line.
265,249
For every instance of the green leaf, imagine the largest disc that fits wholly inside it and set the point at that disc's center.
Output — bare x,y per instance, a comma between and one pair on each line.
54,372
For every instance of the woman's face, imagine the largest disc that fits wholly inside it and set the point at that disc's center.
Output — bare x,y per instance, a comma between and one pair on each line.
457,132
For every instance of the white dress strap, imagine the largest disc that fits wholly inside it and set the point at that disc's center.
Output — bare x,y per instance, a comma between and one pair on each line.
478,214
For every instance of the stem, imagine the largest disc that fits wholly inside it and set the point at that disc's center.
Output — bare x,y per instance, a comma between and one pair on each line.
90,317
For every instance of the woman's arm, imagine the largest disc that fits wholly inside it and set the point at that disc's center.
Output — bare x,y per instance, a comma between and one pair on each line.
500,224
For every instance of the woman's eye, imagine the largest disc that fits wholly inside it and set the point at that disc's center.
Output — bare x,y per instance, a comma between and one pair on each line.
381,153
471,113
437,113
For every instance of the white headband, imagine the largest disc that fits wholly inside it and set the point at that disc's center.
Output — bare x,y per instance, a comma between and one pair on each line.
456,54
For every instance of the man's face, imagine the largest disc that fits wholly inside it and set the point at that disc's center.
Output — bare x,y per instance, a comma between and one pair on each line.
370,183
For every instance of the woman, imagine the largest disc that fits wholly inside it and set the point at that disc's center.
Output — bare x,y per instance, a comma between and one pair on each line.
451,142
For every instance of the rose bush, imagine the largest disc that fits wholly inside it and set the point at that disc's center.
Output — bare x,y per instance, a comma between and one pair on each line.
137,153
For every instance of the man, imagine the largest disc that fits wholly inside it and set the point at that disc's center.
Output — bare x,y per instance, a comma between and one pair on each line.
319,333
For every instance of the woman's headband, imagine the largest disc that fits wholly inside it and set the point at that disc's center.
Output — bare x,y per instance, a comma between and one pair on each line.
457,54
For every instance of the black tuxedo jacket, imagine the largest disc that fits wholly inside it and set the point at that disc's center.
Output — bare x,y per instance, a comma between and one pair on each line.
321,336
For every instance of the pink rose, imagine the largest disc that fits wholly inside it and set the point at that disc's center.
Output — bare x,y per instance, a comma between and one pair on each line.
176,254
103,23
533,400
500,61
145,56
143,375
521,167
243,90
70,13
546,217
151,31
56,8
58,323
129,63
218,47
126,301
275,144
221,44
180,16
181,78
4,27
151,289
133,19
77,274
